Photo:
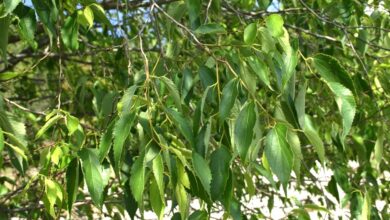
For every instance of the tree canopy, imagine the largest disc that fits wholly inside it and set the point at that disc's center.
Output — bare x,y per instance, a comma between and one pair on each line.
116,108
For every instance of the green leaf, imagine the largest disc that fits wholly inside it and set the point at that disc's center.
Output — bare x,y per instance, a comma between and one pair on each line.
202,170
10,5
274,24
278,153
260,69
121,132
88,15
126,101
315,140
70,32
1,147
99,14
47,125
194,8
105,142
48,14
198,215
210,28
72,182
377,155
4,27
27,24
219,164
156,201
300,105
250,33
346,105
9,75
182,200
295,144
183,125
53,195
158,172
173,91
137,179
243,129
331,71
366,209
92,174
229,95
72,123
56,155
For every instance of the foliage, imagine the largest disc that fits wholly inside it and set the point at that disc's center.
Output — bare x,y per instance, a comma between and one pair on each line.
123,107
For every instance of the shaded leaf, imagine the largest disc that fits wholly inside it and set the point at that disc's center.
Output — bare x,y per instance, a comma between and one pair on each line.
105,142
211,28
121,132
70,32
243,129
72,182
4,27
219,164
278,153
229,95
331,70
173,91
183,125
92,174
202,170
137,179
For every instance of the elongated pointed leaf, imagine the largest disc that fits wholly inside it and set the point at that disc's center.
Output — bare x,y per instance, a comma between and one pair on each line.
173,91
121,132
193,8
105,142
47,12
158,172
331,71
229,95
126,100
278,153
92,174
315,140
243,129
211,28
183,125
260,68
250,33
202,170
300,105
72,123
70,32
4,26
156,200
346,104
27,24
219,164
72,182
137,179
47,125
99,14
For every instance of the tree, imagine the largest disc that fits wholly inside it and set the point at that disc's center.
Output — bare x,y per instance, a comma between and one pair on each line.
122,107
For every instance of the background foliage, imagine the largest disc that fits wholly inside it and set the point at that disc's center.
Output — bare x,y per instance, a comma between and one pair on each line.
109,107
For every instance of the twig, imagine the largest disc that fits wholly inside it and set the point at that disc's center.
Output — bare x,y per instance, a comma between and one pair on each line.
22,107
